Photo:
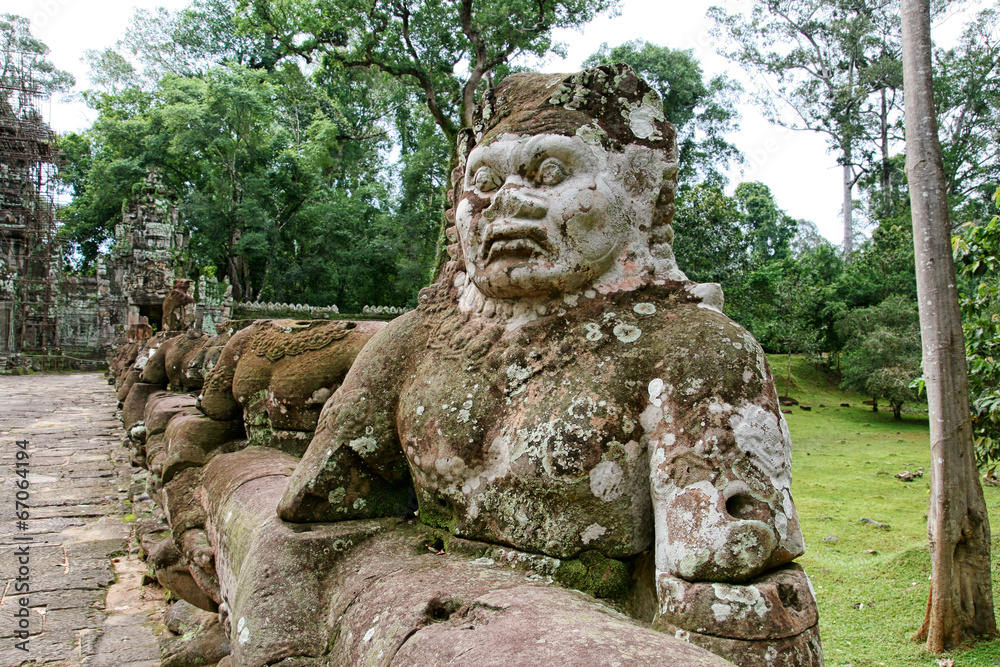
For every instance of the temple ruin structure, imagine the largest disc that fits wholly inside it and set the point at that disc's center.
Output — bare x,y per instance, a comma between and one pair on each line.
28,250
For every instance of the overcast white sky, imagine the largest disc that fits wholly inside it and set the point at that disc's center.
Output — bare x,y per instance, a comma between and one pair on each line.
804,177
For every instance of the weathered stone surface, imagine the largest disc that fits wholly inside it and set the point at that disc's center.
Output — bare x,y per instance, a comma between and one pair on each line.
201,641
200,553
148,533
178,357
536,626
777,605
175,306
130,377
134,408
121,359
802,649
181,501
562,388
171,569
151,362
202,364
182,617
163,407
192,440
156,452
75,453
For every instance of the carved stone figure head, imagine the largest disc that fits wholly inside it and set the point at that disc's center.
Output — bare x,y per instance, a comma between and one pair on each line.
562,187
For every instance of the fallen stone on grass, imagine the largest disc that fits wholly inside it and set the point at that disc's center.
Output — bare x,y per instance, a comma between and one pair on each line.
880,526
845,405
907,476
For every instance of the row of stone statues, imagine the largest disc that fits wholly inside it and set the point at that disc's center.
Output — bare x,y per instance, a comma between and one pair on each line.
566,454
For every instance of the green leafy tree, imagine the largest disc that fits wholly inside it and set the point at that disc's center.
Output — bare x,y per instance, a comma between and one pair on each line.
882,351
443,52
768,228
882,267
279,178
967,95
960,603
187,43
273,167
977,257
22,53
709,243
835,64
702,111
778,274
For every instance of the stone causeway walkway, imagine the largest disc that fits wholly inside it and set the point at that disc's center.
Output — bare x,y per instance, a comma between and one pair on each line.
85,604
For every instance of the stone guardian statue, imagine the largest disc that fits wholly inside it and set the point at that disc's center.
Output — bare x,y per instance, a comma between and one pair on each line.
563,389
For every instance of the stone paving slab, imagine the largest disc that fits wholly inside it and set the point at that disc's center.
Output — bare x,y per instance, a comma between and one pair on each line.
87,605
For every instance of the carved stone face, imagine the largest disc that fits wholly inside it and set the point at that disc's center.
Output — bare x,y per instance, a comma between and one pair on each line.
541,215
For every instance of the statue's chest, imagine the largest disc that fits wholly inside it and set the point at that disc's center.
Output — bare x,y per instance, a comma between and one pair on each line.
546,406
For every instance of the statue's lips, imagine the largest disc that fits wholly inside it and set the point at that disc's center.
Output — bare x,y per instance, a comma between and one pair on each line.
514,239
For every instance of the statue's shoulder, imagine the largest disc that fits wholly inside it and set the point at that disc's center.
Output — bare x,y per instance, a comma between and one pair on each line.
676,313
396,344
689,343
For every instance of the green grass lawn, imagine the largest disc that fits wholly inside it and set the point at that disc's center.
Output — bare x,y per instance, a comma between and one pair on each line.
871,583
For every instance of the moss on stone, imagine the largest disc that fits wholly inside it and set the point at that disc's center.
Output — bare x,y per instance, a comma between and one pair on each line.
435,513
594,573
257,422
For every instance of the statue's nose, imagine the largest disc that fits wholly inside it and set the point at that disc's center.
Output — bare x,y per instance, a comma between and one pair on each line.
724,535
511,201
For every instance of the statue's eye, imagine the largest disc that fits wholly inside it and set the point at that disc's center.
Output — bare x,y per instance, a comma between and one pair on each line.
486,179
551,172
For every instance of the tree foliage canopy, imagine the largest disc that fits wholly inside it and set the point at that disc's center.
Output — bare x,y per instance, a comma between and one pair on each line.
22,53
446,49
284,179
977,257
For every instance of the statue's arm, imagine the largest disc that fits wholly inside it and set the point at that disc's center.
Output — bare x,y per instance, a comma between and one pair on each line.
354,466
720,459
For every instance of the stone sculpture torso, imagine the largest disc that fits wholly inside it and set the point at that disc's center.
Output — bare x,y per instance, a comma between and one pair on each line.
541,438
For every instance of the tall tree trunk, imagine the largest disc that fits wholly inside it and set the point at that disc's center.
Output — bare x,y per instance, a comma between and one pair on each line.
960,605
884,145
848,207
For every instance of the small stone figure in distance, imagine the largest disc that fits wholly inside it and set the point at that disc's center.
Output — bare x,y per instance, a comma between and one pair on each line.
175,315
